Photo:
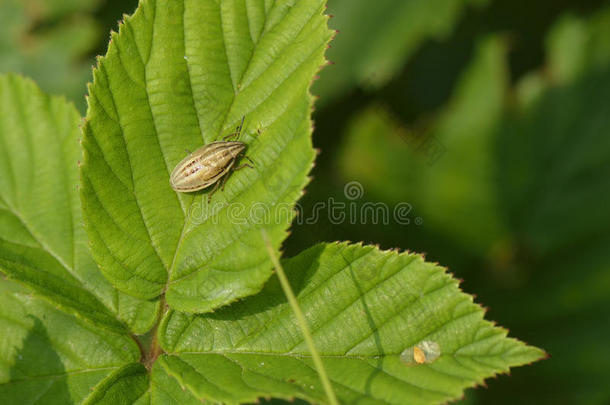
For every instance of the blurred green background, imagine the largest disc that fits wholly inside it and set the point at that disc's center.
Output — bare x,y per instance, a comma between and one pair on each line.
488,119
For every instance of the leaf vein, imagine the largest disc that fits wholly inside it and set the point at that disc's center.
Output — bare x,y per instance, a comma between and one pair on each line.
135,199
287,311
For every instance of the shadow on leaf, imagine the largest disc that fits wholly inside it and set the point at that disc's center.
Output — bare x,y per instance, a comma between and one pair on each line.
37,374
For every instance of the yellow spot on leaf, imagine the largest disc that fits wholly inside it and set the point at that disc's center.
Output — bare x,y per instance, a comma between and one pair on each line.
425,352
418,355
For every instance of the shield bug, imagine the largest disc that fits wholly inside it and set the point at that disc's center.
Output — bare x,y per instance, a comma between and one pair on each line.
209,165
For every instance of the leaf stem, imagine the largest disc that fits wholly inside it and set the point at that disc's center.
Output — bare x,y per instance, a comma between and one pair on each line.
154,349
332,399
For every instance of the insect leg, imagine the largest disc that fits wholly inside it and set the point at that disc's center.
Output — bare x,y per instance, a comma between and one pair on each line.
241,166
237,131
224,178
223,181
213,191
234,135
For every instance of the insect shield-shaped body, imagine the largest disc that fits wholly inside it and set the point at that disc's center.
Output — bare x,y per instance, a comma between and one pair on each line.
209,165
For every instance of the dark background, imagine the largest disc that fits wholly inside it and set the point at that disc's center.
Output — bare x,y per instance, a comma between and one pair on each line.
490,119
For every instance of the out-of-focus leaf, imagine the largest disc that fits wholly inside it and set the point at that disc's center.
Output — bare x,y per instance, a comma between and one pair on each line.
42,240
577,46
380,155
448,173
563,305
460,186
375,39
554,152
555,162
52,9
556,157
50,357
366,309
55,54
206,67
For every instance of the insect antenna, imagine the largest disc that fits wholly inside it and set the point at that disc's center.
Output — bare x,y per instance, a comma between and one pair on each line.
241,126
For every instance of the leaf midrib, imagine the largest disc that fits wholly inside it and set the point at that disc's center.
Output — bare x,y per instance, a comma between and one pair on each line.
41,245
64,175
59,375
335,381
236,93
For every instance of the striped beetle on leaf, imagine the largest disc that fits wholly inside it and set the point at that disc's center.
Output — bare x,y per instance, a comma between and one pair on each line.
210,164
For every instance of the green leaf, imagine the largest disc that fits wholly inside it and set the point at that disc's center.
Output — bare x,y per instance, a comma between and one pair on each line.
42,240
165,389
48,356
375,40
125,386
153,96
365,308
